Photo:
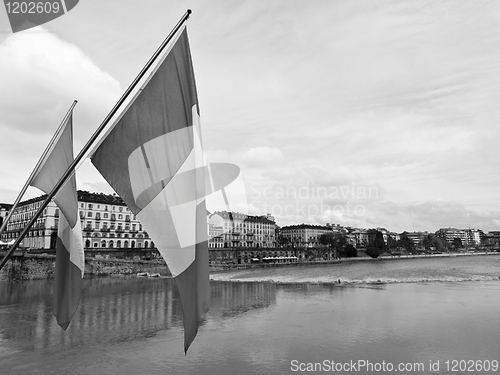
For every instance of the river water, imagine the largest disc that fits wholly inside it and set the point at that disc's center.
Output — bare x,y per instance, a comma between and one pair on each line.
430,315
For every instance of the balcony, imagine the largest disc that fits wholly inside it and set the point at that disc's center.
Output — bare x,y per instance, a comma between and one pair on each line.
105,229
98,218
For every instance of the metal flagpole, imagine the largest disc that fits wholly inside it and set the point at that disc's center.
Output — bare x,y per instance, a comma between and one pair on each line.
35,170
99,130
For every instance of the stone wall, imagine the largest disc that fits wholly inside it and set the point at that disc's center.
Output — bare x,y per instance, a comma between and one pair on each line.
31,266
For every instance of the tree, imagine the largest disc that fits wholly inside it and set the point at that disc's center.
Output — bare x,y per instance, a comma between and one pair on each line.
327,239
392,244
350,251
283,240
336,240
406,242
457,243
432,240
376,243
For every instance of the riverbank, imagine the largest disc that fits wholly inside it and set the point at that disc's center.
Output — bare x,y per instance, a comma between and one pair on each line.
385,270
34,266
215,268
41,266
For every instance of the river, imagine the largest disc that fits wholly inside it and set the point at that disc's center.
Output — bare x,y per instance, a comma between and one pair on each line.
423,317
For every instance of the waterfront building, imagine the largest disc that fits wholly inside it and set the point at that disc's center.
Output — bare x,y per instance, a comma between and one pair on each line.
108,223
492,238
360,238
105,219
215,236
476,237
416,237
469,237
306,235
4,211
43,232
241,230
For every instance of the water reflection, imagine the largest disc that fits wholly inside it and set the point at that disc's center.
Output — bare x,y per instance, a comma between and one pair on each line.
232,299
133,325
113,310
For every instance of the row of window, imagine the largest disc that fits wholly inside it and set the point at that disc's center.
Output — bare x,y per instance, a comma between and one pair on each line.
118,244
105,216
111,226
90,206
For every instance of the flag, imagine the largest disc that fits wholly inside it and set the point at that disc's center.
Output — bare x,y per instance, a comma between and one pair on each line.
69,244
152,157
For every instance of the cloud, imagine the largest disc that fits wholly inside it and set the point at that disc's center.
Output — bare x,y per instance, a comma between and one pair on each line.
41,76
262,156
440,214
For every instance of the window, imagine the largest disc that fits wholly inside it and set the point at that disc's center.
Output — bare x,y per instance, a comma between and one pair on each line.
105,215
89,214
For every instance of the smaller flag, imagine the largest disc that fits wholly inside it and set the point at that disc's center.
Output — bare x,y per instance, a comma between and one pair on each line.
69,244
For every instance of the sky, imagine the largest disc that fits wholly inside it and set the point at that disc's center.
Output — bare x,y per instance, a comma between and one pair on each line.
364,113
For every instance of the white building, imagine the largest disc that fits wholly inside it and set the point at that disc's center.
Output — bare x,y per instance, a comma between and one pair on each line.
307,235
105,219
240,230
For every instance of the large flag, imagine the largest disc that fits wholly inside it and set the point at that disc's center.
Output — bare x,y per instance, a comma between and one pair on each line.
69,245
153,159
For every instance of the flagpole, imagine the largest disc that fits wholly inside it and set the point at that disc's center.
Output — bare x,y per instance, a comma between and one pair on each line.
30,178
99,130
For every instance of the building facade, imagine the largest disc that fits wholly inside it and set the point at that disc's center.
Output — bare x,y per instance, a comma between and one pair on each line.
4,210
304,235
108,223
105,220
469,237
234,229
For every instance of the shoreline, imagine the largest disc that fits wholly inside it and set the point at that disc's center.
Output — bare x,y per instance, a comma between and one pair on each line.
339,278
31,266
258,266
347,283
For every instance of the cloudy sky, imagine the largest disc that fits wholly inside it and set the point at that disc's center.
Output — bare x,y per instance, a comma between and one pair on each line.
368,113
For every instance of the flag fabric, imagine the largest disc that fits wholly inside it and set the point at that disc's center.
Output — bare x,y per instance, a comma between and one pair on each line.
152,157
69,244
